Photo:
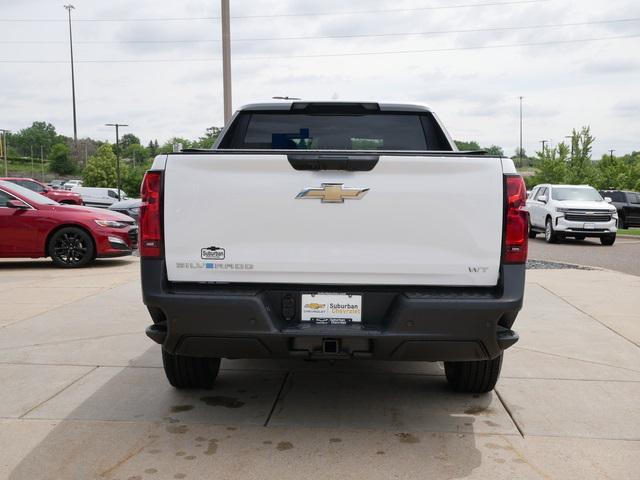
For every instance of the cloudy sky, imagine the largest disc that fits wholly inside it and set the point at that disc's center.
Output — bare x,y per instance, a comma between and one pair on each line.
155,64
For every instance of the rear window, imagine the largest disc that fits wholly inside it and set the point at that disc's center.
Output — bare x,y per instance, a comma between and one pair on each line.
325,131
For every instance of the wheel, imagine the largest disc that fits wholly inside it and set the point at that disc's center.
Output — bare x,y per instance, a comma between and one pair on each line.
608,240
71,247
532,232
549,233
580,237
190,372
473,377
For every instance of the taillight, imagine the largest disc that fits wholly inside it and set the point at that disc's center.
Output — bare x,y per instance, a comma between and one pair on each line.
517,223
150,220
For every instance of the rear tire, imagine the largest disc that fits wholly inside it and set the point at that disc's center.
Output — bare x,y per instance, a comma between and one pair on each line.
473,377
532,232
190,372
608,240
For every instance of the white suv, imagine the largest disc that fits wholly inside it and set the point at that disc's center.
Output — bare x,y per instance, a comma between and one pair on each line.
577,211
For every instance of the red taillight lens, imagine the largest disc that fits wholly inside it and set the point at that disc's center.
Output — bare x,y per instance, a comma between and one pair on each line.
150,220
517,235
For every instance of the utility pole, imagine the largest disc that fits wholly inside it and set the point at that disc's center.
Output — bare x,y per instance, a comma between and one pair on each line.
3,148
117,125
226,59
42,161
544,145
571,137
521,165
73,79
611,153
31,157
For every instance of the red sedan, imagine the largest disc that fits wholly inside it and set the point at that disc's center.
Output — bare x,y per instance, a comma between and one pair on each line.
60,196
32,225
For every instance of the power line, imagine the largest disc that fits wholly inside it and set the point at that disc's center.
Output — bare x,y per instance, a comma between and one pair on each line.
315,37
283,15
348,54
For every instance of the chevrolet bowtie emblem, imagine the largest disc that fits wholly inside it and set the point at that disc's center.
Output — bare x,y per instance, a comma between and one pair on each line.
333,193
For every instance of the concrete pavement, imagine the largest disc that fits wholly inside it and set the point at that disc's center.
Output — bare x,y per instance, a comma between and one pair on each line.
83,395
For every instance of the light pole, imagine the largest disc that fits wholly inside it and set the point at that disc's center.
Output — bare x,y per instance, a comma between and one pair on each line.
42,161
117,125
226,59
521,132
73,79
3,148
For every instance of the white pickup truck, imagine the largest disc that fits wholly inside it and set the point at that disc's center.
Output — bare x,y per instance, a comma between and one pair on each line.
333,230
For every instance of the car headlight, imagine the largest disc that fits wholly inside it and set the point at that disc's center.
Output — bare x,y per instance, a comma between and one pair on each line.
562,210
110,223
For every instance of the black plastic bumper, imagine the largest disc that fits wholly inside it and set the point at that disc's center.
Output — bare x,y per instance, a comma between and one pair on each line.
398,323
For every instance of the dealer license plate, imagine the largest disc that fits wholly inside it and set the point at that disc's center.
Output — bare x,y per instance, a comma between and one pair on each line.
331,308
589,226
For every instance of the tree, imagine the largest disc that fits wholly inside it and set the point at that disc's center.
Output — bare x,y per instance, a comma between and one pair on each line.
153,148
167,147
101,168
127,140
60,160
39,133
209,138
462,145
551,165
580,168
136,153
494,150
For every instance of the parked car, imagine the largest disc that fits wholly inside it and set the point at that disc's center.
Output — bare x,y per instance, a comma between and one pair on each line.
69,184
628,206
320,247
32,225
60,196
129,207
56,184
99,197
577,211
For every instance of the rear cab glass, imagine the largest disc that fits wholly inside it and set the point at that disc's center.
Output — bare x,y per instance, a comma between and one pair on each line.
330,130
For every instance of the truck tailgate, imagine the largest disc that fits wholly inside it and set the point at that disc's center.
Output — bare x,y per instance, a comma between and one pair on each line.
425,220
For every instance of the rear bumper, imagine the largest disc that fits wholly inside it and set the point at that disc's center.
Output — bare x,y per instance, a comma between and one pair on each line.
399,323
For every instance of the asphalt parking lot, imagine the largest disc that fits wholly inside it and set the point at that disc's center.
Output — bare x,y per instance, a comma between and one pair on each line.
84,396
623,256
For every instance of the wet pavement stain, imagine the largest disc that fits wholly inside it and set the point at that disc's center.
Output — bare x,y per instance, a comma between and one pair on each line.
154,451
181,408
179,476
180,454
135,477
491,424
220,401
179,429
407,438
232,428
190,457
476,410
380,452
212,447
151,471
282,446
267,442
201,439
335,440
